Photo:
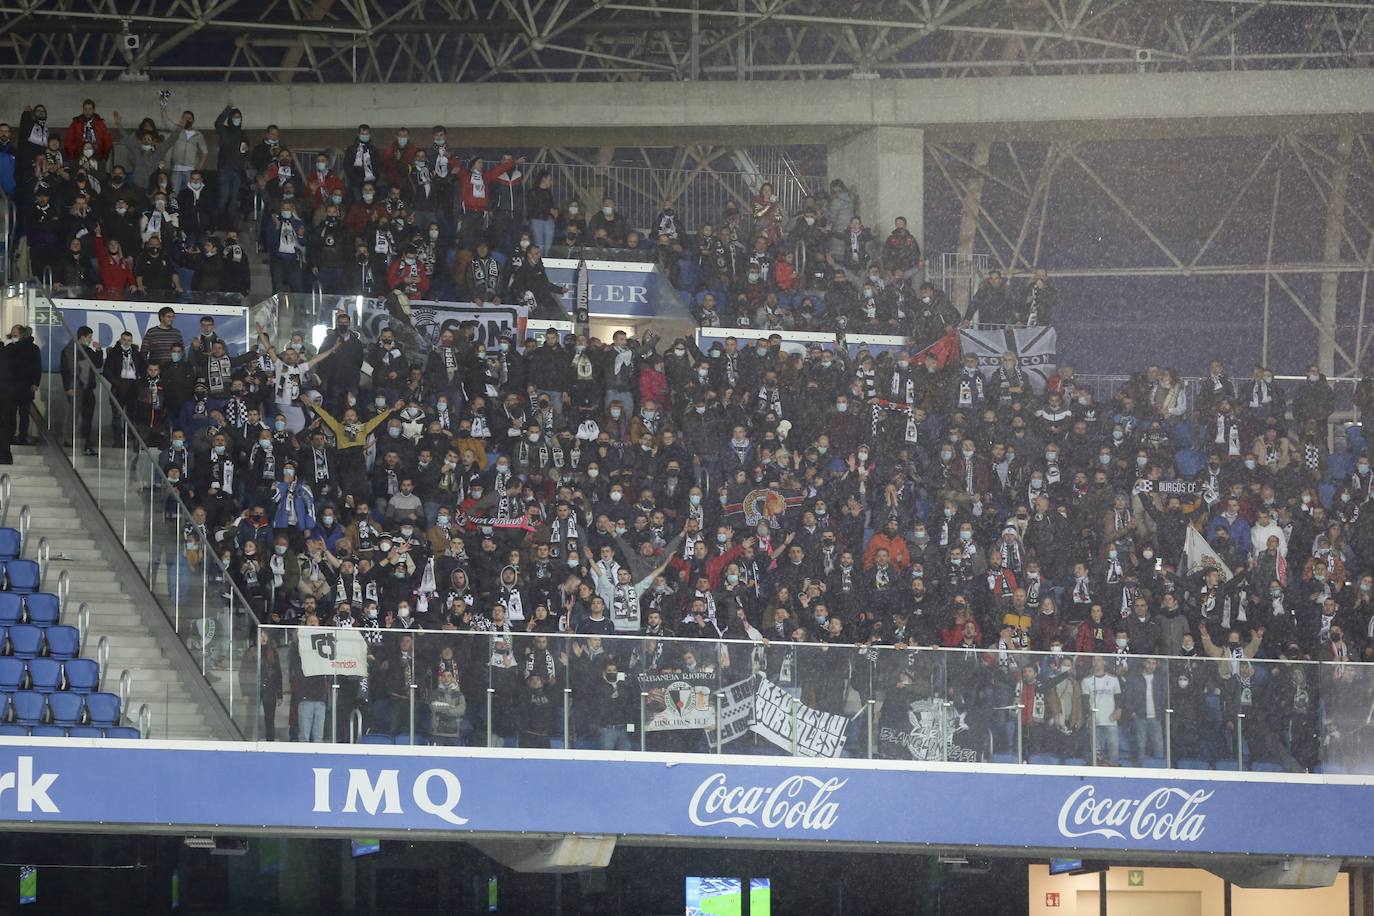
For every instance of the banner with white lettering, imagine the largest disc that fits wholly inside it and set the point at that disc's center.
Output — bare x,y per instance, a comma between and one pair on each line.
679,699
925,729
358,790
1034,349
781,718
332,651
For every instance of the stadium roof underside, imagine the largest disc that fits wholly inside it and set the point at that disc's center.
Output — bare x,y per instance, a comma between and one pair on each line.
446,41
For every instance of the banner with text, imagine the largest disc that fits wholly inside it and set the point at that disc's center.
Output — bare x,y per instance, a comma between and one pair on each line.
1034,349
781,718
360,790
332,651
679,699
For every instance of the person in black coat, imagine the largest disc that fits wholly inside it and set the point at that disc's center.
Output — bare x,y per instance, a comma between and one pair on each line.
81,360
531,280
26,371
6,406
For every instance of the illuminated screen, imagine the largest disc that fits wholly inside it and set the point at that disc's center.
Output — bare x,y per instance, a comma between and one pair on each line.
1060,866
715,896
366,847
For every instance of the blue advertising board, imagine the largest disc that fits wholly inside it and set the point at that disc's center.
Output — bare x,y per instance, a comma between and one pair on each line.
109,319
616,289
376,790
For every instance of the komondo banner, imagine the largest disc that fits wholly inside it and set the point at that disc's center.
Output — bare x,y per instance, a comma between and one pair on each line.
1034,348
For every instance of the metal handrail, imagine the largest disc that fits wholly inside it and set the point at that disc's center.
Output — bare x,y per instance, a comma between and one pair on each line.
102,658
44,554
158,479
64,587
145,721
355,726
83,626
5,485
25,521
126,689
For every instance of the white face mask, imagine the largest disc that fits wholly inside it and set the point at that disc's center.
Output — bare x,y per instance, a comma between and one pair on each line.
608,212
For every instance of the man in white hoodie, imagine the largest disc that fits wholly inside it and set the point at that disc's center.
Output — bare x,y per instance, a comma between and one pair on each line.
1266,526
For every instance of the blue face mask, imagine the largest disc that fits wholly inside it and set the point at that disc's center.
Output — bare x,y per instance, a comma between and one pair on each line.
965,536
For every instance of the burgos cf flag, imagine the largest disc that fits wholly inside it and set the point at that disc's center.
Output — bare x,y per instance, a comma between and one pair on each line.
332,652
1034,349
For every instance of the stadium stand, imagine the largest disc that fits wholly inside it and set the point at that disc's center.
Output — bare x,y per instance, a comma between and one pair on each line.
1175,570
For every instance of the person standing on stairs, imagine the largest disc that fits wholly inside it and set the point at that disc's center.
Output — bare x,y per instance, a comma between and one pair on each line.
26,371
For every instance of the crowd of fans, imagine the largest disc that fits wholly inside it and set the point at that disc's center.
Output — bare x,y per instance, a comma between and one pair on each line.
543,494
137,213
548,493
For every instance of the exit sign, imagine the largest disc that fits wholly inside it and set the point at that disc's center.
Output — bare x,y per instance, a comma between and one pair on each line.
1135,878
1052,899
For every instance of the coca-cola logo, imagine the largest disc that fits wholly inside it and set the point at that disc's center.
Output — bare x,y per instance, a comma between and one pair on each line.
1167,813
795,802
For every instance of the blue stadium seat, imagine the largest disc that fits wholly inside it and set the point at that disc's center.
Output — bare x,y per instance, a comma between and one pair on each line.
10,730
29,707
11,608
103,709
1075,761
1266,766
377,739
1326,494
405,739
1004,757
1047,760
83,675
85,731
122,731
1155,762
1339,467
1191,763
63,642
43,608
45,674
1354,438
25,641
66,708
22,576
11,673
9,544
48,731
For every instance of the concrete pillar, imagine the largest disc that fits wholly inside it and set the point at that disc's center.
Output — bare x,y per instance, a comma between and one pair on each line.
1331,253
885,167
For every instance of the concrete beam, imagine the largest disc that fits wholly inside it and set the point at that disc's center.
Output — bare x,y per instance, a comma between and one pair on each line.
673,113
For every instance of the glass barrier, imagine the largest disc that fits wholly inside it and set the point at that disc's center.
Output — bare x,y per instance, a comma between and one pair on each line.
120,463
551,690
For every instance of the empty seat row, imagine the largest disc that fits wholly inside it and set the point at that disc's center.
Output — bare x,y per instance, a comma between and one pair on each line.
24,640
20,576
13,730
29,707
47,675
42,609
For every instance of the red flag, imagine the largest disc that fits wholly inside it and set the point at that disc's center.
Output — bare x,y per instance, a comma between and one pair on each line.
944,349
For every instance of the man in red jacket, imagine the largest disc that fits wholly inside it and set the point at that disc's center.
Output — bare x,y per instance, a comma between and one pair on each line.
474,180
87,128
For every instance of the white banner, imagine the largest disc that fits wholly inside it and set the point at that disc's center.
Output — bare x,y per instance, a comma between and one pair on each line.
679,699
430,318
776,713
1034,349
325,651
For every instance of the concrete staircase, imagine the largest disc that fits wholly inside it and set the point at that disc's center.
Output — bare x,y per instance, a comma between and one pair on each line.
122,610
